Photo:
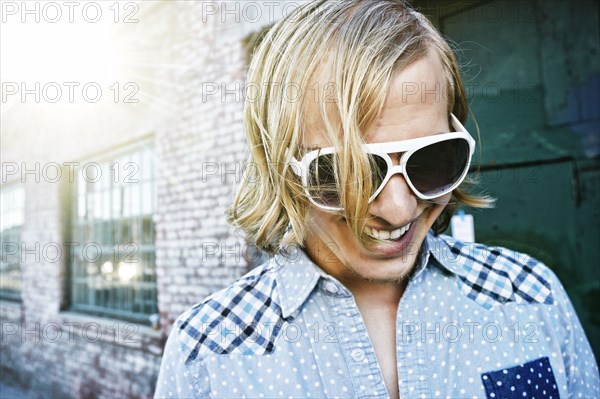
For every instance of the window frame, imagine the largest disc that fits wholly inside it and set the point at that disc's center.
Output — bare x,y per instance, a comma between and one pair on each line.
107,227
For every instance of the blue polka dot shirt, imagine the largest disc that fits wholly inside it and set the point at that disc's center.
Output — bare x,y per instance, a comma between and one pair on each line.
474,322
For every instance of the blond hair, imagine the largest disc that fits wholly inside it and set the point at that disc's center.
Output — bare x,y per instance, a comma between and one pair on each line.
366,43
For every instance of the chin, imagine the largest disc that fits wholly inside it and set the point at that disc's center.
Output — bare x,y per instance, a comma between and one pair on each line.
382,269
389,277
393,262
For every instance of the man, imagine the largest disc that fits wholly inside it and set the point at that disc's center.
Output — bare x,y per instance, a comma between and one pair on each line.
362,296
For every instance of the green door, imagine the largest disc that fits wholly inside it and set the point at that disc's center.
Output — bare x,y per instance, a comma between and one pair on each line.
531,69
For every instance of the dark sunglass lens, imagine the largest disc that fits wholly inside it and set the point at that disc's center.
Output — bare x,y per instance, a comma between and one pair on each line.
437,167
321,181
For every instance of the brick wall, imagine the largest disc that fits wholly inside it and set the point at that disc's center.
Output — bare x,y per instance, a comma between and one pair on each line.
199,146
197,155
201,153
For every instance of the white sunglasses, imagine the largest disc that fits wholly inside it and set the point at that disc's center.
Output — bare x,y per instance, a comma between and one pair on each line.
432,166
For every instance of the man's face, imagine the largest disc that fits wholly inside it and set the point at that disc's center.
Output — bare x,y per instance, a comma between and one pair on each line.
330,242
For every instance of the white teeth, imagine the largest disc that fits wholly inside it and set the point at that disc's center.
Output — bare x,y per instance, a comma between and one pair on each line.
386,234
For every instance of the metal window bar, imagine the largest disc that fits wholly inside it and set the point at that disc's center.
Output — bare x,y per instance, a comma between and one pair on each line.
118,229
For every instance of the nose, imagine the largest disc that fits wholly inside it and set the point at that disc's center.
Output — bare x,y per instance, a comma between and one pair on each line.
396,203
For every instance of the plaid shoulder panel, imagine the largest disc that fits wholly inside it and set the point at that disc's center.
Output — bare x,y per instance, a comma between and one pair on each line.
491,275
243,318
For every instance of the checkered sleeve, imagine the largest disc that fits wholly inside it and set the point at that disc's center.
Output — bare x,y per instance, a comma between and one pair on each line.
583,380
496,275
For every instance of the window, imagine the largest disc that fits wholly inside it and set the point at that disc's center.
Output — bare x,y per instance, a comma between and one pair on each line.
113,263
12,204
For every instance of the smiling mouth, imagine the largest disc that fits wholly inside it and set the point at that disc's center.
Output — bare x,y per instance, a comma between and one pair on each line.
387,234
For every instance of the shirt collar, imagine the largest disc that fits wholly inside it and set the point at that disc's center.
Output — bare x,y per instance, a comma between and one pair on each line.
487,274
440,249
297,275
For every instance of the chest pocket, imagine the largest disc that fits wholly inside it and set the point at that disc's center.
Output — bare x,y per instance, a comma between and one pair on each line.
533,379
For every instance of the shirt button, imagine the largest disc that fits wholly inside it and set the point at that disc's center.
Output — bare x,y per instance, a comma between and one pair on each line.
358,355
331,287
